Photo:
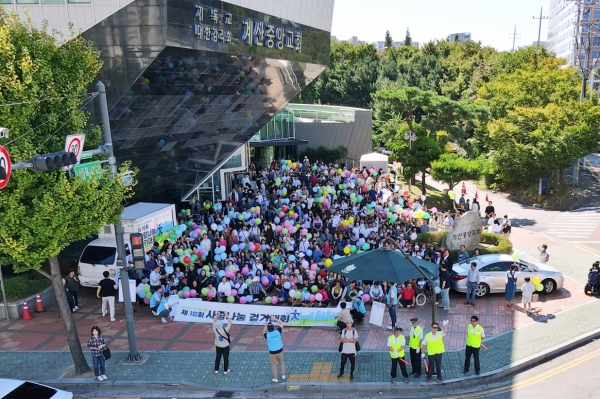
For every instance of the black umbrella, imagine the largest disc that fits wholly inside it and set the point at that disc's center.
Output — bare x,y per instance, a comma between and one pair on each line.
382,264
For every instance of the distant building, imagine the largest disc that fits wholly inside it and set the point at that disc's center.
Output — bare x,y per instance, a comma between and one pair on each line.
459,37
380,45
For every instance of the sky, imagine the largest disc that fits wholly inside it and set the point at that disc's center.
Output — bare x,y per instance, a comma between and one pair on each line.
492,22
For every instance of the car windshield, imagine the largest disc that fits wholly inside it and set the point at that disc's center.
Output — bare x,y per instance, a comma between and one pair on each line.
526,266
98,255
30,390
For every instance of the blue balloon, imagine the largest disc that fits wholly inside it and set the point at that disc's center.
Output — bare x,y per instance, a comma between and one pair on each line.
217,251
249,298
308,252
176,260
287,285
169,269
234,248
292,258
223,256
221,273
142,294
438,290
226,220
219,228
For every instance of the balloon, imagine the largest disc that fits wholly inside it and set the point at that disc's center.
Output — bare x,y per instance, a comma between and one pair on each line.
186,294
230,299
423,198
245,271
193,293
213,226
438,290
268,300
142,294
451,195
314,288
147,287
243,300
328,262
204,291
187,259
292,293
169,269
522,256
248,282
366,297
535,280
234,292
227,292
264,281
346,250
365,247
298,295
211,294
249,298
426,215
313,267
311,298
539,287
146,301
319,297
434,210
353,248
186,288
287,285
234,248
274,300
229,274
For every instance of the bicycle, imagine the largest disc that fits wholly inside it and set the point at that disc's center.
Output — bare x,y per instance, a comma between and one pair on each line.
425,292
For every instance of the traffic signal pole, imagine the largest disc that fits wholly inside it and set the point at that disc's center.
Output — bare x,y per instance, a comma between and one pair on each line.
134,355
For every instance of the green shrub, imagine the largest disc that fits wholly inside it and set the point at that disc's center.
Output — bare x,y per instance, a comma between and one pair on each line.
24,285
502,245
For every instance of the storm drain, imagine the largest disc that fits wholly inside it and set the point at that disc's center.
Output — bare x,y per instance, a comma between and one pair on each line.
223,394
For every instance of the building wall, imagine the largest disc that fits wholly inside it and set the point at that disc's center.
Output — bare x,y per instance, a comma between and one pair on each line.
357,137
561,28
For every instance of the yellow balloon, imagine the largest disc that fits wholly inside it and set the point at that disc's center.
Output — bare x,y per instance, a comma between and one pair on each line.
536,280
328,262
351,219
291,213
339,171
451,195
346,250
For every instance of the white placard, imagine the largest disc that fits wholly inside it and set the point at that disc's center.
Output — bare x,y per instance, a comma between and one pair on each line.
132,289
377,312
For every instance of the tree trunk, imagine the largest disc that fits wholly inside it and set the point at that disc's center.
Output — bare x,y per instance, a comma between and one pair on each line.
81,365
423,186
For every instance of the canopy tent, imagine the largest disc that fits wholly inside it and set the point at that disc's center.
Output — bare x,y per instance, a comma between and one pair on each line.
382,264
374,160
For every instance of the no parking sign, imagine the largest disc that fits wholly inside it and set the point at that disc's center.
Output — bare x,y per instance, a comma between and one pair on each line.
74,144
5,166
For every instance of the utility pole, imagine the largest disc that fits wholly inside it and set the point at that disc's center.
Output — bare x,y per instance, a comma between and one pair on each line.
541,17
134,355
514,35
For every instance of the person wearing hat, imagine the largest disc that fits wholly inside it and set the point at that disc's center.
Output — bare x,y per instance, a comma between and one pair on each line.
257,290
414,342
275,345
396,343
475,334
222,341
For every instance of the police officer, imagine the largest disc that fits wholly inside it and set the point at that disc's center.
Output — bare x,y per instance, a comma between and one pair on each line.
414,341
396,344
434,345
474,335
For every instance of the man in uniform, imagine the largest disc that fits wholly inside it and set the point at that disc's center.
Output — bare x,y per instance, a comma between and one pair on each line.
396,343
474,335
414,341
434,345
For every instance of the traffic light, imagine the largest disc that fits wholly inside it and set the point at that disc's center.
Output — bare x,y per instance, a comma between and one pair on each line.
137,250
53,161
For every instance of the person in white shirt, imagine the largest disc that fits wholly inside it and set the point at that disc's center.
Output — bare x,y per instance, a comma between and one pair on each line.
448,222
223,288
241,287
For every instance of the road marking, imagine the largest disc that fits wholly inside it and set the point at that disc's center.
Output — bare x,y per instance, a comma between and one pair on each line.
532,380
590,249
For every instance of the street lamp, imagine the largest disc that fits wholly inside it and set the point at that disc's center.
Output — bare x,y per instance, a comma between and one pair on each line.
411,137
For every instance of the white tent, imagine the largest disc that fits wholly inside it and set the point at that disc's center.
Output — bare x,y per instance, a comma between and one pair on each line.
374,160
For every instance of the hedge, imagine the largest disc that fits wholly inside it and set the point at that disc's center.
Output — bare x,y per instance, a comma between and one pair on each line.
502,245
25,284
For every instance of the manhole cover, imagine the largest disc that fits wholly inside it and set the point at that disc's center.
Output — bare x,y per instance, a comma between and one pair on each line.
224,394
364,359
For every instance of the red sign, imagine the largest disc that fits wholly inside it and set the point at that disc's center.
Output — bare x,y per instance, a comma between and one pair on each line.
4,163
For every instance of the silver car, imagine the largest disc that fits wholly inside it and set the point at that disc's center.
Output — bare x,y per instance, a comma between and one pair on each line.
492,274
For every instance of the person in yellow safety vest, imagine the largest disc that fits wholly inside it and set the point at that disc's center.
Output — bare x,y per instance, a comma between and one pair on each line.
434,345
414,341
396,343
475,333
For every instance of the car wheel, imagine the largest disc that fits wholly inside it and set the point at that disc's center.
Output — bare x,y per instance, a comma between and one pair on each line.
482,290
549,286
421,299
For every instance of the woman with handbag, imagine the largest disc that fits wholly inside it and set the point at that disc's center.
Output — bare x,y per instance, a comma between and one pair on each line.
222,341
96,344
348,347
511,285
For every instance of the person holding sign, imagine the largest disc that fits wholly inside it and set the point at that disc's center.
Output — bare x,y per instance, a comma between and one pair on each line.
222,341
433,346
396,343
474,335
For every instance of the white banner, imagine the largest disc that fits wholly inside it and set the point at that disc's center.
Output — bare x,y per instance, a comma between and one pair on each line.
377,312
132,289
198,311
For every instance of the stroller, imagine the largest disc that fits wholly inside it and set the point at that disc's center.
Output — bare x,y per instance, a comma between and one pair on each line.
593,284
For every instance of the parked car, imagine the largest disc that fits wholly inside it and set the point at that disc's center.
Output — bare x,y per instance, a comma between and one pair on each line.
19,389
492,274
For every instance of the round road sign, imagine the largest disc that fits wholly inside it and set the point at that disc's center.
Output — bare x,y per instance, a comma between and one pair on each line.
5,163
75,146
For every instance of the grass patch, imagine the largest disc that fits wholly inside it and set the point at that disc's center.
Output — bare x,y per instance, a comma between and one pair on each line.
434,196
25,284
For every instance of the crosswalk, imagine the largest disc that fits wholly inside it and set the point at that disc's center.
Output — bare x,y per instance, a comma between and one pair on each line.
573,226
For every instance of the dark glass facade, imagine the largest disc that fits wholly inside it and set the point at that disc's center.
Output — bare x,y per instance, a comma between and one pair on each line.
189,83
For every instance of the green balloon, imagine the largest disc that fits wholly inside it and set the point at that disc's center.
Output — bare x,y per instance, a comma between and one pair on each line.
314,288
248,282
186,288
268,300
148,295
365,246
298,295
180,294
353,248
230,299
204,291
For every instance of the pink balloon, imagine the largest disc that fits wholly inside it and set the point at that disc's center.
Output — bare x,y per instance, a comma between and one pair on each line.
434,210
313,267
325,201
274,300
366,297
295,216
210,294
186,294
303,232
286,224
193,293
265,281
405,213
146,301
257,211
202,251
281,214
251,247
233,292
229,274
319,297
311,298
245,271
243,300
278,229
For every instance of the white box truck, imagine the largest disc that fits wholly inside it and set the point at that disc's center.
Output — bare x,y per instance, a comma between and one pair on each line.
152,220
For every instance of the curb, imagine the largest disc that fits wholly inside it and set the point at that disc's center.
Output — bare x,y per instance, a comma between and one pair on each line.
86,385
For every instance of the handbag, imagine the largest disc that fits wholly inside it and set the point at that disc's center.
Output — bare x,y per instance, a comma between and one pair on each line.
357,346
106,353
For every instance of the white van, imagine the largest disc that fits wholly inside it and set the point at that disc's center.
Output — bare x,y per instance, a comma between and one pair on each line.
153,221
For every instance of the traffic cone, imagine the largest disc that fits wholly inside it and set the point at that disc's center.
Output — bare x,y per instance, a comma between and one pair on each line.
476,195
486,198
26,314
463,190
39,306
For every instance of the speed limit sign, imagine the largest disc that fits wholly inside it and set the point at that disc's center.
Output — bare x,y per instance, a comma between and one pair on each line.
74,144
5,166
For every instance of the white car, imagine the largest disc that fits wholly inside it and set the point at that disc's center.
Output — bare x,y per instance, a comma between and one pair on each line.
492,274
19,389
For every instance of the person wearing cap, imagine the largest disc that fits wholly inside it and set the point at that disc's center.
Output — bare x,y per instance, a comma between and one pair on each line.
222,341
475,333
275,345
257,290
415,340
433,346
396,343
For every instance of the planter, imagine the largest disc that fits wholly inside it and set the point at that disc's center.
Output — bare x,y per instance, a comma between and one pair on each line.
15,309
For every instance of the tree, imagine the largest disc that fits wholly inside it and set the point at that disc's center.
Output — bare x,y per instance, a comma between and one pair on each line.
42,86
452,169
407,38
389,43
